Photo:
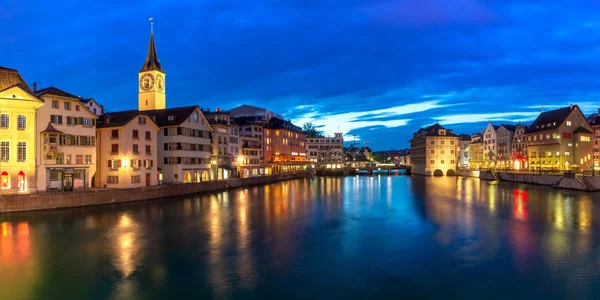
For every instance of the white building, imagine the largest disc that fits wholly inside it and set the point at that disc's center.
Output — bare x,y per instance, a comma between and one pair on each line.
66,133
93,106
464,151
490,148
126,150
326,151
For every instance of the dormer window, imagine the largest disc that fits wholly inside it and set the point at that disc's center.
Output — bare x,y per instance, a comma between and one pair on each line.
171,118
442,132
107,120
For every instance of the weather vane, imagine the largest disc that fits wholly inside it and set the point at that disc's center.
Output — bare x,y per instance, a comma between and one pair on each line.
151,24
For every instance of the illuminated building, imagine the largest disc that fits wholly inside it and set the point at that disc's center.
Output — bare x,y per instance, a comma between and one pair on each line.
490,149
504,138
464,151
126,150
519,160
434,151
560,139
326,151
18,105
284,146
249,162
66,135
476,148
225,147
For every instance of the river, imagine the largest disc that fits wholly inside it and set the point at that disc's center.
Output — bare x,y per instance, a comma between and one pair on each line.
394,237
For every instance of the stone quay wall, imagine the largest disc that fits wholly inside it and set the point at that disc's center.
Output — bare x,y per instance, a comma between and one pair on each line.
564,181
50,200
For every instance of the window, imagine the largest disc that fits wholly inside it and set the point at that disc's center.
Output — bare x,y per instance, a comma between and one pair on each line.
451,142
70,121
21,122
22,151
141,120
452,162
171,118
114,164
432,161
557,153
148,163
567,153
68,159
77,107
195,117
451,151
54,175
67,105
114,134
56,119
4,121
94,110
585,138
88,159
79,159
148,149
570,144
135,164
432,142
87,122
432,151
442,142
4,151
568,123
135,179
148,137
442,162
55,104
112,179
135,134
114,149
135,149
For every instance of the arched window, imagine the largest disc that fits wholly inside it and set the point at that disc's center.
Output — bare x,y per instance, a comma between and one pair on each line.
187,177
22,180
5,180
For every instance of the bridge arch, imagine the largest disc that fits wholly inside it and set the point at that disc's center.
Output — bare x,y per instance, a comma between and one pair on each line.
438,172
450,172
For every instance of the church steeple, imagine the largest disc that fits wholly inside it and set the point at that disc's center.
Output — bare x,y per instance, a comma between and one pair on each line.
152,91
152,62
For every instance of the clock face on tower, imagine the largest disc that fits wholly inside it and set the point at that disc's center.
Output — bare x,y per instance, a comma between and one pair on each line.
160,82
147,82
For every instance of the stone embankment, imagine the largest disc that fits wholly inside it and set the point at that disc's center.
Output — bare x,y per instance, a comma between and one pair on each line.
41,201
565,181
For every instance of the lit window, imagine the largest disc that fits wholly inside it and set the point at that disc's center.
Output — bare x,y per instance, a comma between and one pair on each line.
568,123
22,151
5,180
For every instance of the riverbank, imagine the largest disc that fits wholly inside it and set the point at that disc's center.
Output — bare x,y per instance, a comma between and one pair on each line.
570,181
44,201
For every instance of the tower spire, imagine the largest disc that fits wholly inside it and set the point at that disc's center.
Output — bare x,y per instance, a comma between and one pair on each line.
152,62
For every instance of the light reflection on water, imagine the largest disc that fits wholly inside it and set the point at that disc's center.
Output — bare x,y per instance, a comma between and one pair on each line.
377,236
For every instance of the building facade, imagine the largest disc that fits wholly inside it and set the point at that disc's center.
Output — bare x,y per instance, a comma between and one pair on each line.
223,160
249,162
326,152
464,151
126,150
18,105
66,133
560,139
284,146
504,138
434,151
489,145
519,148
93,106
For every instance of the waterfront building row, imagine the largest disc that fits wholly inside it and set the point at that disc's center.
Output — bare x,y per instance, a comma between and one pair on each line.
560,139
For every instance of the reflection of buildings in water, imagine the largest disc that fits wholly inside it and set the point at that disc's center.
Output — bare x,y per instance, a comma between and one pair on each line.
126,244
520,204
18,262
217,223
244,258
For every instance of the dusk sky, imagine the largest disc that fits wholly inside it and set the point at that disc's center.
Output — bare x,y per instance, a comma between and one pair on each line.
376,68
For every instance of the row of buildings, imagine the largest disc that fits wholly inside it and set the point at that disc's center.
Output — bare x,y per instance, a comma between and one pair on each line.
561,139
53,140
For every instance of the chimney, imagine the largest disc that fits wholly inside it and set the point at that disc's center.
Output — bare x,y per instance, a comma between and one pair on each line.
571,106
35,88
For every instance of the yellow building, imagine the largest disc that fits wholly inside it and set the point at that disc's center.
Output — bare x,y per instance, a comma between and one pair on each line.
434,151
151,88
18,107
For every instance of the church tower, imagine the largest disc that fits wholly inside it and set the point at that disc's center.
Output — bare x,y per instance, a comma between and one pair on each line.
151,79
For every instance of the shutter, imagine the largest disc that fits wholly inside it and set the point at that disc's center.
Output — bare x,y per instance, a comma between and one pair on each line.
93,122
119,163
60,119
166,146
165,161
151,163
110,163
80,120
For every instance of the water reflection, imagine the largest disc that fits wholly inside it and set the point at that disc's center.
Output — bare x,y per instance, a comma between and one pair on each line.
331,237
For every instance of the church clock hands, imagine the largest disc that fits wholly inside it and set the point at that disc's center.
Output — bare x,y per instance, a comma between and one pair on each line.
147,82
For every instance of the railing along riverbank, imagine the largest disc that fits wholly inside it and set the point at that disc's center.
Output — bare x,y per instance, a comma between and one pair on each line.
557,179
44,201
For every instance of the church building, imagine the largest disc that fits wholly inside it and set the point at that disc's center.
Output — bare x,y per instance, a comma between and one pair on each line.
183,141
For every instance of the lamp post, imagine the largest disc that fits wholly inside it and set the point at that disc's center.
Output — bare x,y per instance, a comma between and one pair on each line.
213,163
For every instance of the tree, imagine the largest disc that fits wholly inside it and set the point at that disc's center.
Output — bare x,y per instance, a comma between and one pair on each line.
311,130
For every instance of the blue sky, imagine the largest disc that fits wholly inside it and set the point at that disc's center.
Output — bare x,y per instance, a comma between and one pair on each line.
378,68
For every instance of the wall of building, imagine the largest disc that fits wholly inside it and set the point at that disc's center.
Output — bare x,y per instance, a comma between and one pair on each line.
13,203
47,160
126,141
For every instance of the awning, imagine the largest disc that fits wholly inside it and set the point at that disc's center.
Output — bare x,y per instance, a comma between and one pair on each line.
51,129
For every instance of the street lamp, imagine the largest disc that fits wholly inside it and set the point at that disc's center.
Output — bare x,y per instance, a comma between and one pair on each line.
214,163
